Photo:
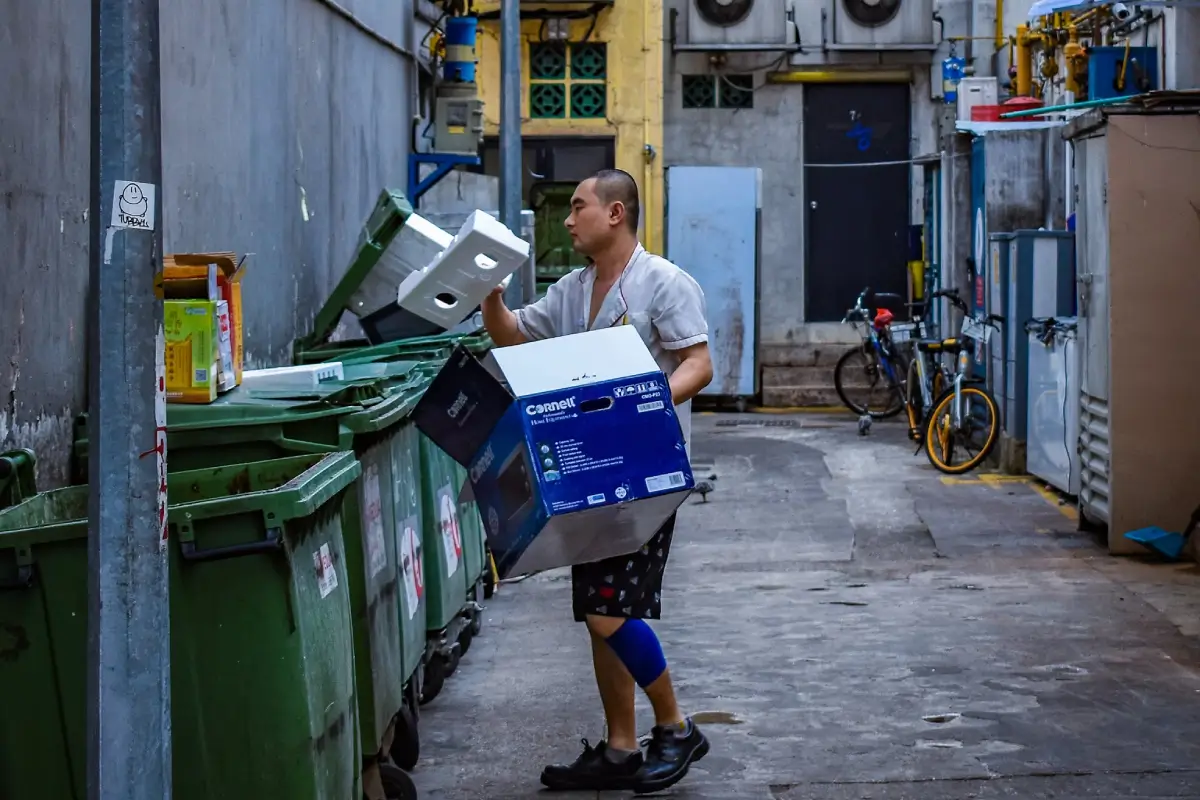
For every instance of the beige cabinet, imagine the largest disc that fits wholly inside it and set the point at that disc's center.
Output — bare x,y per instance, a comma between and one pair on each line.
1137,201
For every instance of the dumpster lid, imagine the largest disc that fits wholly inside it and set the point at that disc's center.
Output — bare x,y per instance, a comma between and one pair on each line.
289,488
17,477
391,211
263,406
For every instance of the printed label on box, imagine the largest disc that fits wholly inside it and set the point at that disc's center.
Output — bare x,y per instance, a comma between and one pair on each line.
373,521
327,579
451,540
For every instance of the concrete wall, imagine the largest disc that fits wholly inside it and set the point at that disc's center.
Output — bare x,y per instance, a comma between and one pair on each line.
770,136
633,118
281,122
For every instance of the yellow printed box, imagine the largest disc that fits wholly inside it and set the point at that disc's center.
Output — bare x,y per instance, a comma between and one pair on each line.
190,276
190,328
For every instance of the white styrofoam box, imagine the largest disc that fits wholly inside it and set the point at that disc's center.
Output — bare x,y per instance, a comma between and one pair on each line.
289,378
976,92
479,258
417,243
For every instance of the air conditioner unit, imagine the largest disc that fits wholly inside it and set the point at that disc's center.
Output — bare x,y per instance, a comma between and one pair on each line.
744,24
882,25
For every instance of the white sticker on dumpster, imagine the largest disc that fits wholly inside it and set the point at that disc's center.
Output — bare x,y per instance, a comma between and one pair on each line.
373,520
326,575
133,205
410,563
451,540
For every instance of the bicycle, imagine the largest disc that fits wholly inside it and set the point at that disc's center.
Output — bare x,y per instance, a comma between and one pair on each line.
947,426
928,375
879,354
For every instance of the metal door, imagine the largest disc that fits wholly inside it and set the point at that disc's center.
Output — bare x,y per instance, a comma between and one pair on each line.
856,189
713,218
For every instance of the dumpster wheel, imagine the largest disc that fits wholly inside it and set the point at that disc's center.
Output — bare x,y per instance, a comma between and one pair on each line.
406,741
465,637
436,672
397,785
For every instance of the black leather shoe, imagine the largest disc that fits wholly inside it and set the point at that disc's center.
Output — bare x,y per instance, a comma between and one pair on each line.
592,771
669,755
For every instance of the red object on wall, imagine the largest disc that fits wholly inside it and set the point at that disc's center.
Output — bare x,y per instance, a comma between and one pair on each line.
1020,104
985,113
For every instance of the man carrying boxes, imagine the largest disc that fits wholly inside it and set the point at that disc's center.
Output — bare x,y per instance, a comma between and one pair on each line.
624,285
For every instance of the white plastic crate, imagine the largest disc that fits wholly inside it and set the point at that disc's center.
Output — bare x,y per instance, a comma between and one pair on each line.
481,257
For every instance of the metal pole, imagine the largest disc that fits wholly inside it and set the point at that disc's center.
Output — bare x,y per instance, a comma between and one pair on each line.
129,700
510,131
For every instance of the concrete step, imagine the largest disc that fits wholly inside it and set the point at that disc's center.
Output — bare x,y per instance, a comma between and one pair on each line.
809,376
803,355
800,396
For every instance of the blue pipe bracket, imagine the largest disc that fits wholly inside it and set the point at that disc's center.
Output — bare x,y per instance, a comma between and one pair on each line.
442,164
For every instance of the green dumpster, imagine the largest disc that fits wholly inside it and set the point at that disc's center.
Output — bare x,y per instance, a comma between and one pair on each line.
446,582
262,683
370,417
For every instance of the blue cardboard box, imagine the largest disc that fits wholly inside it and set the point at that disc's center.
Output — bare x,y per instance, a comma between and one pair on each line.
572,446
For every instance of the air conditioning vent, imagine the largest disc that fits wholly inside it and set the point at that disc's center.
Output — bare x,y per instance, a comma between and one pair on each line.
871,13
737,24
882,25
724,12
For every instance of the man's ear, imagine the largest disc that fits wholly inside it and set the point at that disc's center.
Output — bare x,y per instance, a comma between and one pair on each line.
616,213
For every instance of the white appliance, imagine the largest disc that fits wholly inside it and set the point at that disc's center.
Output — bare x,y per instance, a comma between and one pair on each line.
976,92
1052,446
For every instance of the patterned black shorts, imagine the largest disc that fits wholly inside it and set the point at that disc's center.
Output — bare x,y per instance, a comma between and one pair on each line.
627,586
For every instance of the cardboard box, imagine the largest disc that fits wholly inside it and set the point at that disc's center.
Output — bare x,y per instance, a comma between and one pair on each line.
183,271
190,328
227,377
572,446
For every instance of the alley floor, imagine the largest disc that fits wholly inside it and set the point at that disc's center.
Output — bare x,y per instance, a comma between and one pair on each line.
850,625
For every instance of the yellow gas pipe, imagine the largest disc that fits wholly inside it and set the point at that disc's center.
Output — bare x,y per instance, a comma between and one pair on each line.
1024,60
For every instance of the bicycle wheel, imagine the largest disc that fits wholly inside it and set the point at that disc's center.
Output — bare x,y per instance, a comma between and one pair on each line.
912,400
977,435
860,373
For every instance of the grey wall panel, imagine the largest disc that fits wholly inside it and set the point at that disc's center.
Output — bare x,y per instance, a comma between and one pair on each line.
282,121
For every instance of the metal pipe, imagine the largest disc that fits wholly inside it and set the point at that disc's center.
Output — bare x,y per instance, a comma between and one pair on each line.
1024,59
840,76
510,132
129,697
1000,37
1034,112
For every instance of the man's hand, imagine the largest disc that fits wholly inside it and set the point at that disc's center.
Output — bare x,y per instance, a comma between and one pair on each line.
694,372
500,322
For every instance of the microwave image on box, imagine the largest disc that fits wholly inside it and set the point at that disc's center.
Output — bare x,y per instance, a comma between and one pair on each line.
515,484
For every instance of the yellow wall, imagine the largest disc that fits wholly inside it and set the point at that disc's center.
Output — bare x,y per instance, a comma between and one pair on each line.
633,32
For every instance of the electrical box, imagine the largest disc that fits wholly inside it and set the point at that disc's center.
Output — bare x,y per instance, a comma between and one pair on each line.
1110,75
458,124
738,22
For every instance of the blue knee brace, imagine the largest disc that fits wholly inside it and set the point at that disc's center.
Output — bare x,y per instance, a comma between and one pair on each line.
639,650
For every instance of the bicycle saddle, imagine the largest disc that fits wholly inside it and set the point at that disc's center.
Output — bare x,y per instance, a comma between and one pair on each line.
944,346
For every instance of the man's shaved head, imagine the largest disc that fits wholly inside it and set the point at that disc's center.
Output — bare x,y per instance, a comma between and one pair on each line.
604,212
618,186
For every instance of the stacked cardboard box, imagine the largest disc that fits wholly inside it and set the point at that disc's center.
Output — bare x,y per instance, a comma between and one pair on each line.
203,324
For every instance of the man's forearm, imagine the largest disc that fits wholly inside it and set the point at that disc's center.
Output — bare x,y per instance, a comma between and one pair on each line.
689,378
500,322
